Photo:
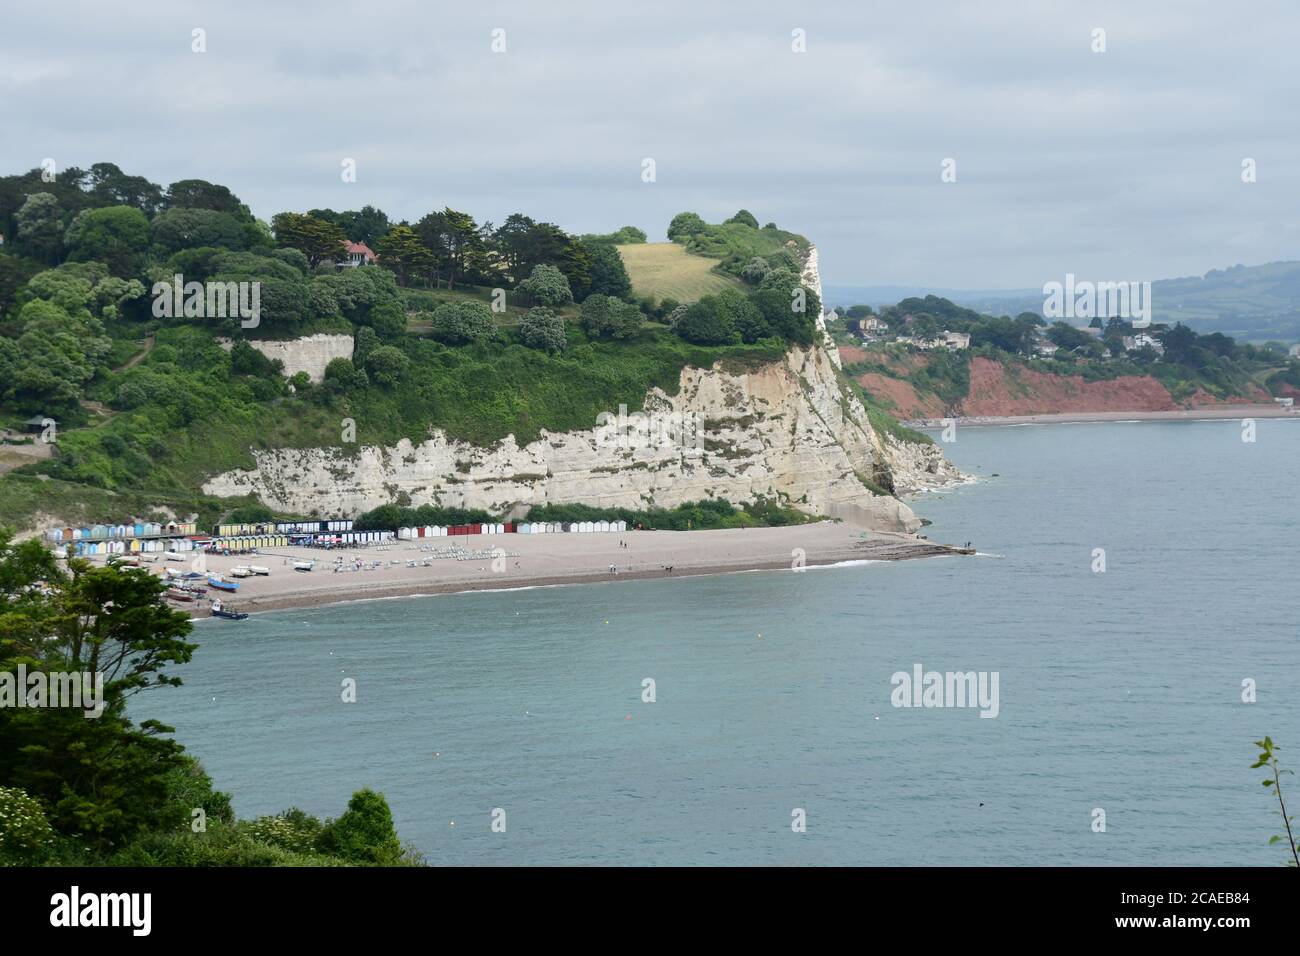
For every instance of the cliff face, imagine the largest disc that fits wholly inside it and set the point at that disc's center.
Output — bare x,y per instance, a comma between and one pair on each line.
787,430
1007,388
310,354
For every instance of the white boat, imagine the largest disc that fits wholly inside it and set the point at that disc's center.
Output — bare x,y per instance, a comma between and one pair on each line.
257,569
304,565
172,556
239,571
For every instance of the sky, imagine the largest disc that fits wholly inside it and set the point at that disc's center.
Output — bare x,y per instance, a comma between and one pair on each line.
1117,165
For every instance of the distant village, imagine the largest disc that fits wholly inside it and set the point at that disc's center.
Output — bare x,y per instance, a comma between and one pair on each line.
926,331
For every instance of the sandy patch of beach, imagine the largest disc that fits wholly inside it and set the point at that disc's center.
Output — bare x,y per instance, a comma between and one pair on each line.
539,560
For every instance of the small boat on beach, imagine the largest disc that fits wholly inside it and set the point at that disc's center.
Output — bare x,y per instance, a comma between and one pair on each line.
257,569
304,565
220,610
221,585
176,594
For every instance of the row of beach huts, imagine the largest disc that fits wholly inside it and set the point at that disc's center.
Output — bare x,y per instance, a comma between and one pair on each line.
177,537
518,527
116,532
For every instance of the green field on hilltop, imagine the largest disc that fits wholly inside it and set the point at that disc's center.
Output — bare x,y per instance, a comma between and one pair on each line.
665,270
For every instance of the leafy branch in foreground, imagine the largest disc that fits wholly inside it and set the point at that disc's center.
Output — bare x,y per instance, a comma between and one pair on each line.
1268,758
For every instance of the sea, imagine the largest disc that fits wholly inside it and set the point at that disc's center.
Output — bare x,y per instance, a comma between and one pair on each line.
1133,603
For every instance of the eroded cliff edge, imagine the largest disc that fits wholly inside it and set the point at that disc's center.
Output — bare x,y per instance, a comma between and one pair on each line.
788,430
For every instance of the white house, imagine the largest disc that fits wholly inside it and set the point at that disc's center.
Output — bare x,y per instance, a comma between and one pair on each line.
359,254
1141,340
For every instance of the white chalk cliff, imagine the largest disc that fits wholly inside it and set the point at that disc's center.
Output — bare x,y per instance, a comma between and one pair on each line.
309,354
788,430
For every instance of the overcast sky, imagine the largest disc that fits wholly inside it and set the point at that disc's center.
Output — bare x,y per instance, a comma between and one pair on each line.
1117,165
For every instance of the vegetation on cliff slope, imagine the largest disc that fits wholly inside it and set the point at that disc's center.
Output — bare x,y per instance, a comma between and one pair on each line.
82,783
479,330
1185,363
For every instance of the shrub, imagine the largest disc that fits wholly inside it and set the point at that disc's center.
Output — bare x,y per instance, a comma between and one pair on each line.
542,329
746,217
606,317
459,323
547,285
365,832
684,225
705,324
292,830
755,270
342,376
386,365
26,836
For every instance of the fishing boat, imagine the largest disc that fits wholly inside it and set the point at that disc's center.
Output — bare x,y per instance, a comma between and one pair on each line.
240,571
220,610
221,585
304,565
257,569
172,556
176,594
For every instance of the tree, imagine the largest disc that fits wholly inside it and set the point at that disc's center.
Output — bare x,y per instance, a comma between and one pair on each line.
548,285
40,227
627,235
460,323
608,273
109,186
102,779
183,228
401,251
787,306
452,238
1066,336
16,270
1180,344
1004,333
366,224
924,327
364,833
684,225
386,365
114,235
745,217
606,317
513,242
201,194
542,329
755,270
316,239
705,323
341,376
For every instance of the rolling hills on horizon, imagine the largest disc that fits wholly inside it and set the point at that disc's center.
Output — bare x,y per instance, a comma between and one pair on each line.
1250,303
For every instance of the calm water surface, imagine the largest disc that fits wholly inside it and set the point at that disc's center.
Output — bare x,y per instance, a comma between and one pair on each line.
1119,690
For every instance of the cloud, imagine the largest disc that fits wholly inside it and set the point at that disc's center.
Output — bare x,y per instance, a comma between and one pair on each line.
1123,164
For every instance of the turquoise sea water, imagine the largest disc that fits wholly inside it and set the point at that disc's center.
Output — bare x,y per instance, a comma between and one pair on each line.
1118,690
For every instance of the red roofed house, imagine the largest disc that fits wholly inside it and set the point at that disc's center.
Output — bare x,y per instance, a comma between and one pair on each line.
359,254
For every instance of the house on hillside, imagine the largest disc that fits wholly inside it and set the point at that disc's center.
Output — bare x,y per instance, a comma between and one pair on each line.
1045,348
952,341
359,254
871,328
1140,340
